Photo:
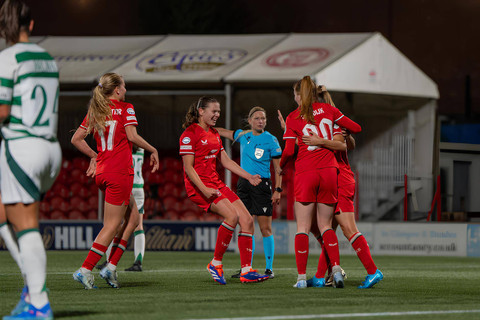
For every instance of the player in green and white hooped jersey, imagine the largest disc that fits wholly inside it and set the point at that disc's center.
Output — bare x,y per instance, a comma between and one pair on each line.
139,195
30,154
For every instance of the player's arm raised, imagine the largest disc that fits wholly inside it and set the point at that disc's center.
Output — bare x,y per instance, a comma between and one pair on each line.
235,168
225,133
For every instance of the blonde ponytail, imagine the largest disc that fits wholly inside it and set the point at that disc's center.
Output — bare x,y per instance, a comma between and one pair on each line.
308,94
99,110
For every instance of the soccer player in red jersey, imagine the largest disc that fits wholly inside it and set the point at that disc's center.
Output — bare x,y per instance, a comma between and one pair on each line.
344,216
200,146
315,174
113,123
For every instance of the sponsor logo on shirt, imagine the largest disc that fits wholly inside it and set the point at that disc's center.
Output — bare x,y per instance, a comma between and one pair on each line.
131,118
186,140
185,147
204,142
211,156
117,112
318,111
130,111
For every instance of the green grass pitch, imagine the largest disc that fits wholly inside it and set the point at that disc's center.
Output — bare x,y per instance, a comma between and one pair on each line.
176,285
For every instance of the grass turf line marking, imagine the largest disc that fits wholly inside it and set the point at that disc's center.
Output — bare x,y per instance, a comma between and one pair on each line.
346,315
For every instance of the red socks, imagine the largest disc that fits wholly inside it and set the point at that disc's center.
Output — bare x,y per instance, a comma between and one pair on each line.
117,252
115,243
224,236
331,247
245,248
362,249
94,255
323,261
301,252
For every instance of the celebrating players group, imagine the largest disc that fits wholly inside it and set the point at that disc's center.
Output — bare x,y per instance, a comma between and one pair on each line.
30,160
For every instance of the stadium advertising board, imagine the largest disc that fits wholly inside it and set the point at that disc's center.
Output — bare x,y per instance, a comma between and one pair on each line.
410,239
422,239
158,236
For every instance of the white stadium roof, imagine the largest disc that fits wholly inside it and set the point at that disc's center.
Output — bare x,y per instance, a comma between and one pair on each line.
351,62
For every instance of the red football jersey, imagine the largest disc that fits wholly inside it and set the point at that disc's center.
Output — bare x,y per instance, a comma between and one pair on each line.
345,175
114,149
313,157
206,147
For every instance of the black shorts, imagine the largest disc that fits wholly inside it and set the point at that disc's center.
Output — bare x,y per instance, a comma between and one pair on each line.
257,199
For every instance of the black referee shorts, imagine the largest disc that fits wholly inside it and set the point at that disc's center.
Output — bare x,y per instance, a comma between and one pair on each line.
257,199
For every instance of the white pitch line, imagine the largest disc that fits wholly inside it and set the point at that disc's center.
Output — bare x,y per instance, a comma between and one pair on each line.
347,315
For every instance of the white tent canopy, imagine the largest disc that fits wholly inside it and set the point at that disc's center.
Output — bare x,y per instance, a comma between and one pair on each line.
349,62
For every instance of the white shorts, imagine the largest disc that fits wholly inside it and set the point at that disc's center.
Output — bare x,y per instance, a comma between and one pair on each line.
28,168
139,196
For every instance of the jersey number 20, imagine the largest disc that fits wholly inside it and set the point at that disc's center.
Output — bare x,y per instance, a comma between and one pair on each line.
325,127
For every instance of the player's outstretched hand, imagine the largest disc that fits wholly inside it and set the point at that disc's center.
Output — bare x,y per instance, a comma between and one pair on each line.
210,192
313,139
92,167
154,162
281,120
255,179
276,197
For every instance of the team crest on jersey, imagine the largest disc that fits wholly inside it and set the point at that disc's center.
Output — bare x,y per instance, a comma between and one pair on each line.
186,140
259,153
130,111
213,151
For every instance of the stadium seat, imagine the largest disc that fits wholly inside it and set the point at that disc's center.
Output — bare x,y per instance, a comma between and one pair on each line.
93,202
55,202
75,201
44,206
75,188
75,215
64,206
75,174
169,202
92,215
43,215
189,216
57,215
62,176
81,163
84,192
83,206
171,215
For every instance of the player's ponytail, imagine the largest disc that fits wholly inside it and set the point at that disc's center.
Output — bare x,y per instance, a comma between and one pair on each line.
192,113
308,94
324,95
99,110
15,16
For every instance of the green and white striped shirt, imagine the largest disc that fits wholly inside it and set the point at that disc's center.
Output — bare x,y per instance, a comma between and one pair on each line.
29,84
137,167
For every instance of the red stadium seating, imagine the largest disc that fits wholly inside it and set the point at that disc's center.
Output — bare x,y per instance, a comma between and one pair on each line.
57,215
75,201
92,215
75,215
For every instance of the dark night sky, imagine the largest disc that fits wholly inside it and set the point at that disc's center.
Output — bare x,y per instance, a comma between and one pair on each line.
439,36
